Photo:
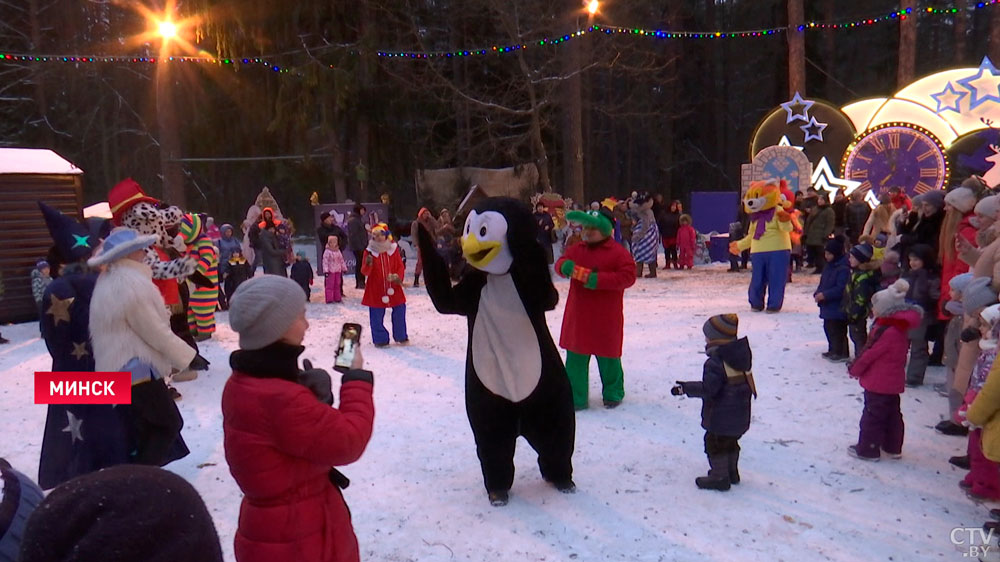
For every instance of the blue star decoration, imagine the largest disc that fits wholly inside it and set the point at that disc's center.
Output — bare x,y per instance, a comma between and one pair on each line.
813,130
792,108
983,85
949,99
81,241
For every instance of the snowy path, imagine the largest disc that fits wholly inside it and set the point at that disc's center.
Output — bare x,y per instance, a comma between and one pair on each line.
417,492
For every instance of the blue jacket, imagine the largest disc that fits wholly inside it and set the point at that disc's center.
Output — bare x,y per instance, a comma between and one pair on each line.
832,283
725,408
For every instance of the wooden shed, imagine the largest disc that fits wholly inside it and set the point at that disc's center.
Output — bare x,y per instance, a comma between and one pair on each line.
27,176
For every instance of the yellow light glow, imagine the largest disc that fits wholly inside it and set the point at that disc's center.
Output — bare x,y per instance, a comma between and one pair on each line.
593,6
168,30
916,104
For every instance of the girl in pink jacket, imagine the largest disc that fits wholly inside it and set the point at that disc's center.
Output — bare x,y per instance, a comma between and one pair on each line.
881,370
334,268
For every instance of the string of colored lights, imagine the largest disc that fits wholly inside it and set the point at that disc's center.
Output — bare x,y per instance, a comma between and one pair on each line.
605,29
502,49
898,14
248,61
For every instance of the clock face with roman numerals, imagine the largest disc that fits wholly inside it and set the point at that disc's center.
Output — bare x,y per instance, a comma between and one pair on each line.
896,155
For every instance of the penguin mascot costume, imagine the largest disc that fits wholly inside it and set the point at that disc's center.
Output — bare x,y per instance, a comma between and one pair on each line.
515,380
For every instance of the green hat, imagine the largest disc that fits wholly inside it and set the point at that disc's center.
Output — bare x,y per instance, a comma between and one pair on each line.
593,219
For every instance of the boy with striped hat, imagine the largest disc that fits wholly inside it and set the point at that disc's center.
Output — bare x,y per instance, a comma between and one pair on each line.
725,390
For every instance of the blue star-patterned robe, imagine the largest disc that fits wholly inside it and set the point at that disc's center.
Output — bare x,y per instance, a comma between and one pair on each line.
78,439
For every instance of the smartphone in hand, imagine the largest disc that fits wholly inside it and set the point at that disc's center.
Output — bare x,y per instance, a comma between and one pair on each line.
350,338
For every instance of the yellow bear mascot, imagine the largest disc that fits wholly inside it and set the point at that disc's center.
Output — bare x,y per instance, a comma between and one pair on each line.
769,242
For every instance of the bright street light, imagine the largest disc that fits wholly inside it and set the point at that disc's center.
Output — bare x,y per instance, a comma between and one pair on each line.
168,30
593,6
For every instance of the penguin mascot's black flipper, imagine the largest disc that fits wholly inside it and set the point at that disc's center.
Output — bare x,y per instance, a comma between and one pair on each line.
515,380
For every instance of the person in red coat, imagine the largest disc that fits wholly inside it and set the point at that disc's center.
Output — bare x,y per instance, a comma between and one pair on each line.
600,270
384,269
881,370
687,242
282,435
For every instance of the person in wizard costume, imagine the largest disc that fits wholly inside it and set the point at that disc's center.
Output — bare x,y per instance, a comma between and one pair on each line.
78,439
600,270
515,382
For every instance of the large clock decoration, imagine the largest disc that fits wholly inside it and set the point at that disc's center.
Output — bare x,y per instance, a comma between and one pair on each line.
896,155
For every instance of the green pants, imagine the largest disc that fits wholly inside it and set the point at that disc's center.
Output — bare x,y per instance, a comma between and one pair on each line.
612,378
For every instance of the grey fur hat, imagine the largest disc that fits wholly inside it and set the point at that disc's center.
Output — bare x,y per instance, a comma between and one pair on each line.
263,309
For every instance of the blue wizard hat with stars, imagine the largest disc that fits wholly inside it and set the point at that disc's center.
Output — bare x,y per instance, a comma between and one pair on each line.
73,241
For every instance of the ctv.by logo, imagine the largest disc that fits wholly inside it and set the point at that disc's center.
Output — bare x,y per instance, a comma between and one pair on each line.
975,543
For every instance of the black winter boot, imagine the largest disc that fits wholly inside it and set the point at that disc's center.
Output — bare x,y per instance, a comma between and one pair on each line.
499,498
734,470
718,475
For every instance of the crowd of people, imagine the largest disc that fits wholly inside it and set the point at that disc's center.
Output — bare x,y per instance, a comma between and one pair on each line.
927,272
911,284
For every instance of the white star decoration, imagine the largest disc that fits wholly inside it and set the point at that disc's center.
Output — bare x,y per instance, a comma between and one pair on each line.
871,198
948,99
73,428
984,85
813,130
796,102
785,142
823,179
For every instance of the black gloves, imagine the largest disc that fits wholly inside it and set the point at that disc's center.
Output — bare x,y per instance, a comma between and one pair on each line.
317,381
970,335
338,479
678,389
199,363
200,280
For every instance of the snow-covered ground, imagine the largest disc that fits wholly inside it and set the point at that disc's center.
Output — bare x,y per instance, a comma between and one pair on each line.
417,492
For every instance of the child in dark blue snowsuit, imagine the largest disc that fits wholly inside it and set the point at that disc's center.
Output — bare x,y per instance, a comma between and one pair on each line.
302,273
725,389
829,297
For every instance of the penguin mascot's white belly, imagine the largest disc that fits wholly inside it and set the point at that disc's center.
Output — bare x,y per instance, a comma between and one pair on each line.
505,350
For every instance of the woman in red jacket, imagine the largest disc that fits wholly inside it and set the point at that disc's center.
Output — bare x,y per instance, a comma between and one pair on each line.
383,268
282,435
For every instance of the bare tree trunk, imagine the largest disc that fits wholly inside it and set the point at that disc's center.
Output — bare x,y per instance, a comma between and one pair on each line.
961,28
459,68
338,162
993,48
906,69
830,45
365,80
796,49
672,52
36,75
572,133
169,139
537,145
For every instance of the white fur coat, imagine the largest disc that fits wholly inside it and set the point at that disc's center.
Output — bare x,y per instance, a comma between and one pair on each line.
128,319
